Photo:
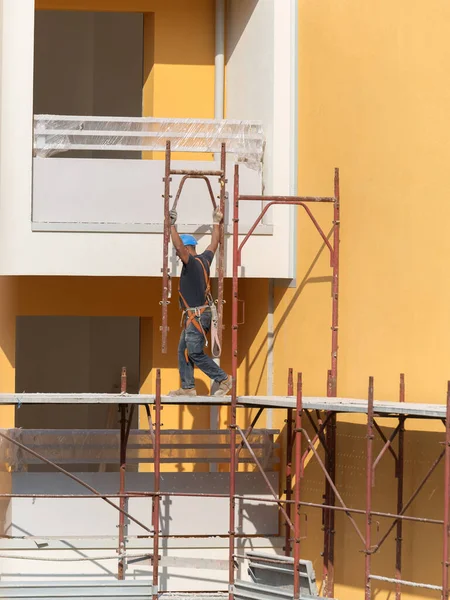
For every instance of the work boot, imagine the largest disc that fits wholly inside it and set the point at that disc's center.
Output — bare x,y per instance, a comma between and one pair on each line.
224,387
182,392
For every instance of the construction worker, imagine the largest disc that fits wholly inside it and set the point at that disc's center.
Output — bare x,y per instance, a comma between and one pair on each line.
195,302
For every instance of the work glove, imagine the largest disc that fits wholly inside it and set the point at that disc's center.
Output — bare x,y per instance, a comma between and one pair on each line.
173,216
217,216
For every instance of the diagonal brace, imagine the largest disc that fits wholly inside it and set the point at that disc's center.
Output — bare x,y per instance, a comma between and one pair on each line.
332,485
387,446
266,479
384,438
319,431
75,478
248,431
316,437
410,501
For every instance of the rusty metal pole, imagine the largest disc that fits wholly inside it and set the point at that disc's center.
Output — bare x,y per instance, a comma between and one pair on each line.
298,474
234,366
335,288
400,475
329,496
166,238
122,472
446,500
221,257
157,485
326,501
331,429
369,481
288,490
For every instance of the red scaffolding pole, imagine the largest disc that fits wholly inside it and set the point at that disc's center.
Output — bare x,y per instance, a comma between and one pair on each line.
446,535
298,474
301,201
156,501
122,471
288,467
398,455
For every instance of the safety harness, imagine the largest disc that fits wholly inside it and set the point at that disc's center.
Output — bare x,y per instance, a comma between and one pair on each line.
193,314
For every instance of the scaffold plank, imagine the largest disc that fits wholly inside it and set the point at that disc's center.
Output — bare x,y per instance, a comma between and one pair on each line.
340,405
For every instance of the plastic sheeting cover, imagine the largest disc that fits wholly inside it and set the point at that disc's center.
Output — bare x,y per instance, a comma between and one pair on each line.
98,446
54,134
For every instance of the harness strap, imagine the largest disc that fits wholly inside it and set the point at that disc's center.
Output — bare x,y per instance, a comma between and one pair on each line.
207,280
195,313
215,342
216,349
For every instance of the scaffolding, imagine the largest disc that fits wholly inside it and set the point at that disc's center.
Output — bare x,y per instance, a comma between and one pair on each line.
203,175
319,412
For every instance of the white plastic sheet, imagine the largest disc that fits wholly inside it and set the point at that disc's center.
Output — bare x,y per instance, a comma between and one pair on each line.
54,134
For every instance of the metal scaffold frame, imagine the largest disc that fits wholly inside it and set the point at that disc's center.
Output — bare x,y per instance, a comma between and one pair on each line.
320,413
330,431
205,176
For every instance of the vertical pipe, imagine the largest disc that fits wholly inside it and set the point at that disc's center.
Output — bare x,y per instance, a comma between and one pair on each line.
298,469
331,445
166,238
288,490
220,272
369,480
122,471
400,475
234,365
329,496
157,484
270,347
446,500
331,428
219,61
335,287
294,110
326,499
221,258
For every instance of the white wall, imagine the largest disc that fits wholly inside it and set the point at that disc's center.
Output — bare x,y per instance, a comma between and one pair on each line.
27,252
74,194
258,87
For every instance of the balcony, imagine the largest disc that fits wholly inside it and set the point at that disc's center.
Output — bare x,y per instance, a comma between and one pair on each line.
95,192
80,187
81,195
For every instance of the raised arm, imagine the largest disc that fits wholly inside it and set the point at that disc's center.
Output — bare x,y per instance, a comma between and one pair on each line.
176,240
215,237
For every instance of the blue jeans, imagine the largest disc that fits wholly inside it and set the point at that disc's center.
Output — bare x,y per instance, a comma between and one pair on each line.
192,340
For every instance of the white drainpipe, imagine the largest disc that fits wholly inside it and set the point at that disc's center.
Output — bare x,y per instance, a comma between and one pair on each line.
219,61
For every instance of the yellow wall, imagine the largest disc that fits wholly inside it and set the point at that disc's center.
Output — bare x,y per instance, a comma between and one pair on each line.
117,296
373,100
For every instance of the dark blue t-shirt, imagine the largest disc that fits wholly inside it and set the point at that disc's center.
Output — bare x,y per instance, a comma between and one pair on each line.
192,279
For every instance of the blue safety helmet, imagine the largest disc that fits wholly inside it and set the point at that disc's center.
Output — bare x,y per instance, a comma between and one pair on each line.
188,240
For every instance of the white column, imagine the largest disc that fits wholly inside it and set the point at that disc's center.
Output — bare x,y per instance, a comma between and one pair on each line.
16,125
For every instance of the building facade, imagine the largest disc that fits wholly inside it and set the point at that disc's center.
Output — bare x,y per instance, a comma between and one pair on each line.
361,87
